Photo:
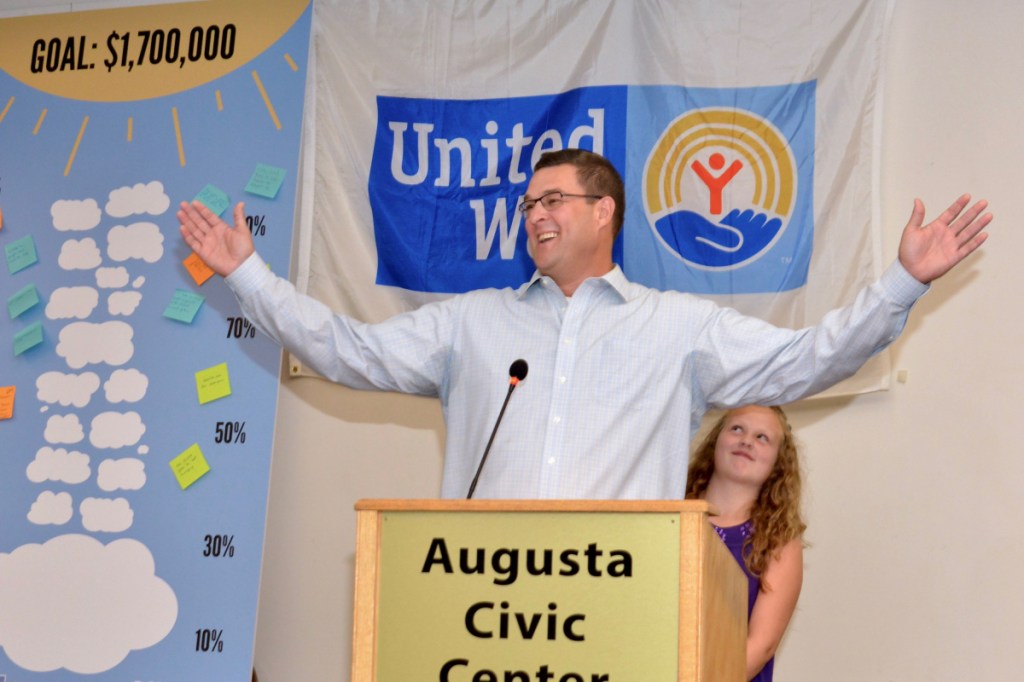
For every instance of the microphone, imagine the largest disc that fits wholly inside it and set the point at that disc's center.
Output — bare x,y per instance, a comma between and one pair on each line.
516,373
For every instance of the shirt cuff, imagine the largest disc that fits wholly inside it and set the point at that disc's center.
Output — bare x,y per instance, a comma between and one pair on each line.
901,286
252,275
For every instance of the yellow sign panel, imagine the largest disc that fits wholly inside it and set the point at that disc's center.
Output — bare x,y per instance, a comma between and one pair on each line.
135,53
595,598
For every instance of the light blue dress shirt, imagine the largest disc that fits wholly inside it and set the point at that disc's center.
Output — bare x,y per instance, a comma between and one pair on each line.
620,375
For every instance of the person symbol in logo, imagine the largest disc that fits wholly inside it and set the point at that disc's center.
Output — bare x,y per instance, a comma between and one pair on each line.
716,183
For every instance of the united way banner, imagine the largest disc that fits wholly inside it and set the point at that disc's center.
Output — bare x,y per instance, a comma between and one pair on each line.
747,137
137,404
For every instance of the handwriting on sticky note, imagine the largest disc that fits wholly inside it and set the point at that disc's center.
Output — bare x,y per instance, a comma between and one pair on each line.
189,466
214,199
199,270
20,254
29,337
183,306
266,181
213,383
22,300
7,401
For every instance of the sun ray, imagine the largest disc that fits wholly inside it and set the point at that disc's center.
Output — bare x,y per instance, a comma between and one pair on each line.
39,123
131,125
177,135
291,62
6,108
74,150
266,100
220,102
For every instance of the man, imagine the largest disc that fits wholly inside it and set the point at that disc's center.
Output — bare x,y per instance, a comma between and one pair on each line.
619,375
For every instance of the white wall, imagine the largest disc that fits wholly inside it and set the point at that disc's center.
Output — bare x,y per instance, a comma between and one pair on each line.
913,494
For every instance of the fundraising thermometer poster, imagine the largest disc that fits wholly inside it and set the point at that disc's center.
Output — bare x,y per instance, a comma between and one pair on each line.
136,402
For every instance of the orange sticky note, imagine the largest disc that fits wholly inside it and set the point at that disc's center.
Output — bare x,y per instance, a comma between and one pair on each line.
197,268
7,401
1,219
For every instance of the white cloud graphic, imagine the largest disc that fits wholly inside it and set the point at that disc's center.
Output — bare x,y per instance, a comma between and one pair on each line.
67,389
111,278
83,343
126,386
121,474
78,604
103,515
57,464
79,254
63,429
138,240
123,302
116,429
70,215
49,509
139,198
138,282
72,302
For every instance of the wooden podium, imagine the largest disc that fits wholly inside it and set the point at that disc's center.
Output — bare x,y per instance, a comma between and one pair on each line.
545,591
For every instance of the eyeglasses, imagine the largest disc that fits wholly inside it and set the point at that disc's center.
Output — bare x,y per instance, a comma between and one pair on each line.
552,200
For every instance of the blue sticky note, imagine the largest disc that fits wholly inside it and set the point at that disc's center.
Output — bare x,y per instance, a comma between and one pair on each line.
20,253
214,199
29,337
266,180
22,300
183,306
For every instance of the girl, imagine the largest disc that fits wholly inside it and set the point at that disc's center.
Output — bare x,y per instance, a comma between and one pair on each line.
747,467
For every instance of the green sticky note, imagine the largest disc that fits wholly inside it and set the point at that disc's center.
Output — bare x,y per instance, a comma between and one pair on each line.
183,306
22,300
213,383
266,180
214,199
189,466
29,337
20,253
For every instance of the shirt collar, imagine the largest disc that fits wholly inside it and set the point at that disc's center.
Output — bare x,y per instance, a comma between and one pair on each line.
614,279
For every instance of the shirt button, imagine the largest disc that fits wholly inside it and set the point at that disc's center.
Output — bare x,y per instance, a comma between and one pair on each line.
556,419
562,380
551,460
568,342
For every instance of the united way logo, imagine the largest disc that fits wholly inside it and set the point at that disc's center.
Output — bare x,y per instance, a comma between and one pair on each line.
720,188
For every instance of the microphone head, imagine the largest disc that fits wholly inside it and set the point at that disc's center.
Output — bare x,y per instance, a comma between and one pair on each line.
518,370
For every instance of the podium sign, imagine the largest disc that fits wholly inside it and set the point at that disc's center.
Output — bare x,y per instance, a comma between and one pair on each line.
514,591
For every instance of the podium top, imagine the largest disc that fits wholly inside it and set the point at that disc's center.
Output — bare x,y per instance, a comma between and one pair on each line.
439,505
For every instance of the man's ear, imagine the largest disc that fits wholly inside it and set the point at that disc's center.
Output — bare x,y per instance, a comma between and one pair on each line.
605,209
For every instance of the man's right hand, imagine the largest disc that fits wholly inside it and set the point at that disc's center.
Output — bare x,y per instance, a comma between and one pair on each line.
222,247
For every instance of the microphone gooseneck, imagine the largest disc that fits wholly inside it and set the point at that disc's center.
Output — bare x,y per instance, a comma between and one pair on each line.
516,373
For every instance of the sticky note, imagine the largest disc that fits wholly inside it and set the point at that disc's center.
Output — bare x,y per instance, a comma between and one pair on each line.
214,199
265,180
189,466
1,219
22,300
29,337
20,253
183,306
7,401
199,270
213,383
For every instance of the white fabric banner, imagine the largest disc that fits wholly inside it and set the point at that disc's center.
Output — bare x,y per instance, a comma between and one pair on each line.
747,135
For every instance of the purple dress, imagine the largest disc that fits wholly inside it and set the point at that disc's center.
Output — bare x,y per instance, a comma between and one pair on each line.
733,538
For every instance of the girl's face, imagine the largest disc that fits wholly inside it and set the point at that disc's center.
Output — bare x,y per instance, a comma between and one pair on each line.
748,445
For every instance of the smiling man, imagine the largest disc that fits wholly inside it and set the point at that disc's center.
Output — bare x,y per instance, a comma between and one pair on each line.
620,374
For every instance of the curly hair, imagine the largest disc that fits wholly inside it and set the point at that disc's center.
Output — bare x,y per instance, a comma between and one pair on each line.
775,515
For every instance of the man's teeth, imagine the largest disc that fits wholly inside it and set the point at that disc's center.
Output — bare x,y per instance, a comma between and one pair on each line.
541,238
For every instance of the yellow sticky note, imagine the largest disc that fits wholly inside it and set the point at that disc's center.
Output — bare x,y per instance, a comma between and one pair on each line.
199,270
189,466
213,383
7,401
